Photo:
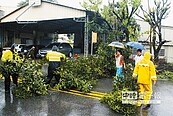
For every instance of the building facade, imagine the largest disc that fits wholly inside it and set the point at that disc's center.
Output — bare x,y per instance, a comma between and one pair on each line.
38,24
167,34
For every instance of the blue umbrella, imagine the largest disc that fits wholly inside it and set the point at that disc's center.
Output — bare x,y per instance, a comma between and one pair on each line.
117,44
136,45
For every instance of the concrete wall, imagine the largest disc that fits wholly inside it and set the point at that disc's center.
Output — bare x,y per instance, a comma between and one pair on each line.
169,54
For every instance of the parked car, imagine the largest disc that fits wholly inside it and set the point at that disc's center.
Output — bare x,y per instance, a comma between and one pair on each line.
64,48
5,48
20,47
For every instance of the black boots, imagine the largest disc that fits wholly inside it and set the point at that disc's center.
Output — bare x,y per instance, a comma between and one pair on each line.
146,107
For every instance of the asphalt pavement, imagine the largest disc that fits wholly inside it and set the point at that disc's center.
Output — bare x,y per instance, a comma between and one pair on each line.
53,104
163,91
64,104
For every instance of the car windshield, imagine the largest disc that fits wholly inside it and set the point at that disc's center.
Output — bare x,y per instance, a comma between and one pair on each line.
52,44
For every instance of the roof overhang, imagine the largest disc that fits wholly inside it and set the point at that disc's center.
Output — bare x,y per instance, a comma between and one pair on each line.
46,11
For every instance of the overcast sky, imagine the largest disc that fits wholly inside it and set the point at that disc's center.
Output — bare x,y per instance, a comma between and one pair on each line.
76,3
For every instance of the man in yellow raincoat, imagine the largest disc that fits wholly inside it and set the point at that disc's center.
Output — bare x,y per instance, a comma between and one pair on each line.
145,70
54,59
10,57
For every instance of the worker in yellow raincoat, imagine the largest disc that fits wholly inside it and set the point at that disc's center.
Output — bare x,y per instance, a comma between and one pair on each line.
10,57
54,59
145,70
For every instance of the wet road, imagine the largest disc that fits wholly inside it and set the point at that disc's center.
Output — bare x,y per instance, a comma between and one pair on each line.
164,91
54,104
62,104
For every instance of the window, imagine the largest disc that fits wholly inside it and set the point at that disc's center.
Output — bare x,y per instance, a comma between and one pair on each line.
67,46
53,44
162,52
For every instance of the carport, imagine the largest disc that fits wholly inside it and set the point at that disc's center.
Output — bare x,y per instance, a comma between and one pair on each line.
37,23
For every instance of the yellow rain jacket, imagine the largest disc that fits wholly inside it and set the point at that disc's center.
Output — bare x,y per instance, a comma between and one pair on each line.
145,70
10,56
55,56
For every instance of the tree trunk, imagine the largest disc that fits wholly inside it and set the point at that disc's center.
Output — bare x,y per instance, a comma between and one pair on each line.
127,36
161,42
156,55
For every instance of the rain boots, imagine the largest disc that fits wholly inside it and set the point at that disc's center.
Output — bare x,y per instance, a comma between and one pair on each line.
146,107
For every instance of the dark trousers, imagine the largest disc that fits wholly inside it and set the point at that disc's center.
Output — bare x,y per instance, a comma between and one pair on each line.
8,81
52,66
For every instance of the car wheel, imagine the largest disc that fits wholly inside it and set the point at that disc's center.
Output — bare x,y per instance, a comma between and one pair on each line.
70,55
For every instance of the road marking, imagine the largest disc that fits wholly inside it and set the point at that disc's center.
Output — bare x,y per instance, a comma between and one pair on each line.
96,94
93,94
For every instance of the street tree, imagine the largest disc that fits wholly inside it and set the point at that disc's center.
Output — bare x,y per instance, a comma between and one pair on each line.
154,17
92,5
26,1
124,22
22,3
119,17
97,23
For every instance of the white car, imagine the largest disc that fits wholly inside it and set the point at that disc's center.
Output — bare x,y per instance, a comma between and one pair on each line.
19,47
5,49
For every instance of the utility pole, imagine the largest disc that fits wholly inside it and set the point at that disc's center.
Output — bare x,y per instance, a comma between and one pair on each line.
150,29
86,36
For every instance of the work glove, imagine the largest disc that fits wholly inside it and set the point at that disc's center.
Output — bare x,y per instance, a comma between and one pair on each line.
134,75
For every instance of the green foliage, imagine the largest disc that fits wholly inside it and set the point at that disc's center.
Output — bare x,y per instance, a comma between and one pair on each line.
124,23
163,66
116,21
10,68
127,82
92,5
126,53
22,3
96,22
106,59
80,74
164,70
165,75
114,98
31,81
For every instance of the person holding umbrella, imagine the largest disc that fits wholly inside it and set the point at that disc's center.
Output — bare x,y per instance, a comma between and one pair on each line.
136,45
120,64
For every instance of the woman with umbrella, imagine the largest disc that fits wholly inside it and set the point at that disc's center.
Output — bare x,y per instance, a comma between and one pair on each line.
119,59
120,64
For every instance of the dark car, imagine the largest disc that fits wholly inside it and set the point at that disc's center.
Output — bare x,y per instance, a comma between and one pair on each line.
26,49
64,48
